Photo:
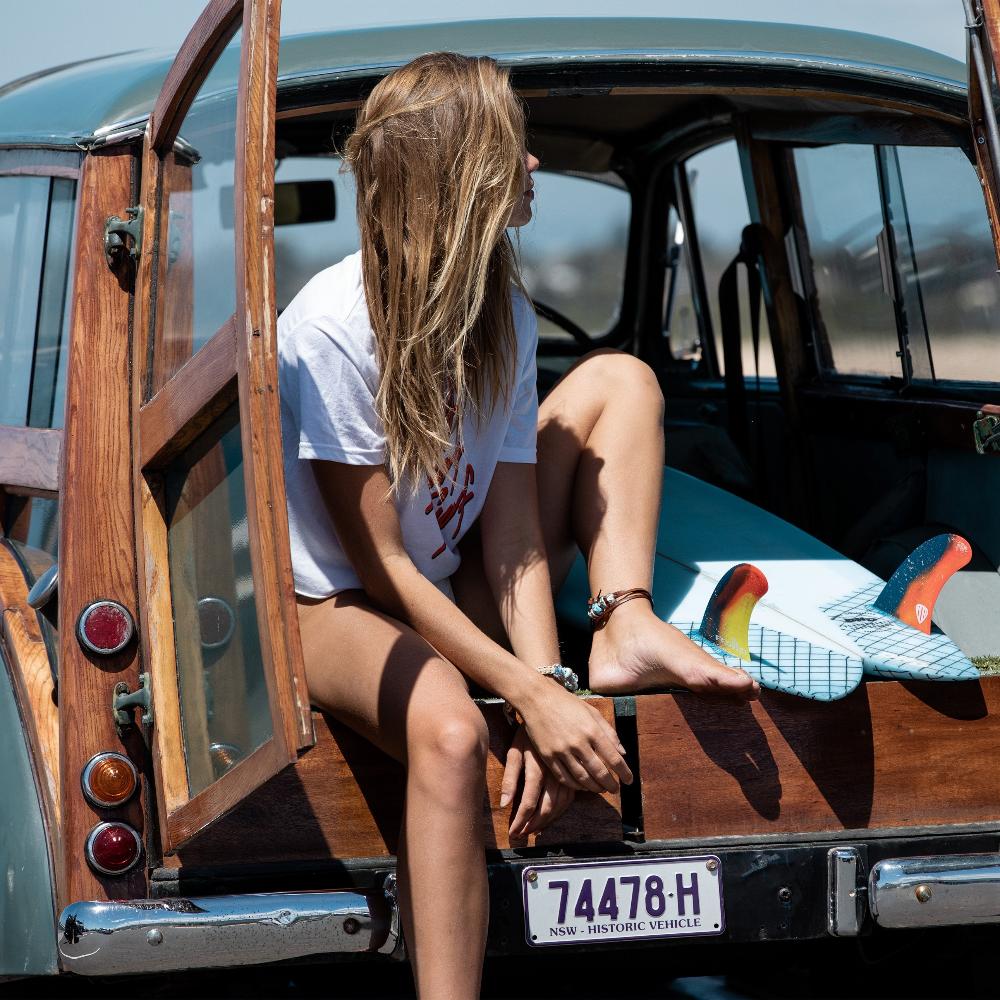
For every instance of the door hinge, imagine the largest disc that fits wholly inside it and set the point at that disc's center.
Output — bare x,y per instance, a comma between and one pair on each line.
123,701
115,232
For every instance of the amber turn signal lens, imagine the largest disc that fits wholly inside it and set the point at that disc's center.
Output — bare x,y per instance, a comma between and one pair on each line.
109,779
113,848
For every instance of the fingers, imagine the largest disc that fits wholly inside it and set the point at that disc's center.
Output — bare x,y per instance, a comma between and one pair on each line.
582,775
556,799
534,781
611,754
563,776
511,774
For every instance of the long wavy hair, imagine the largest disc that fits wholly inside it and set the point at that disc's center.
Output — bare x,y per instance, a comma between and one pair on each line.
438,158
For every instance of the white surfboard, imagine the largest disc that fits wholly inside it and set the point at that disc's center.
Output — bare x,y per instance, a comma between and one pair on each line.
704,531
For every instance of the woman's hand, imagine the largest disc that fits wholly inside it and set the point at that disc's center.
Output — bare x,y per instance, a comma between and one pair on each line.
543,797
574,740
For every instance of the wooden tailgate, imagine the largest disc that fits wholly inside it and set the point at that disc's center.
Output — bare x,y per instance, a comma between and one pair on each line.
892,754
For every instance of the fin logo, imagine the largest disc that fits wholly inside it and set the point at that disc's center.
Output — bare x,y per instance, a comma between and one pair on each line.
922,613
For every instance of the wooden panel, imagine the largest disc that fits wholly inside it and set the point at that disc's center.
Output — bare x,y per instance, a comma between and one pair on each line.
208,37
33,686
891,754
96,537
201,391
257,361
344,799
29,458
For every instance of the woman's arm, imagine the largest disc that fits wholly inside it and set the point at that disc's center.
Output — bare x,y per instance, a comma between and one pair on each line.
575,742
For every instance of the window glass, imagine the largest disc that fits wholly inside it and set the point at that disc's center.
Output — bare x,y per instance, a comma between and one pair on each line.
951,287
719,207
842,209
573,251
225,712
306,248
198,293
680,317
24,203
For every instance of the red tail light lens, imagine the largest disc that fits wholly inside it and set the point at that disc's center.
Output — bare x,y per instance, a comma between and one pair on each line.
109,779
113,848
105,627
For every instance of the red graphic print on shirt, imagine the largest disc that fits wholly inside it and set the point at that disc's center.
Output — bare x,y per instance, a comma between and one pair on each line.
444,487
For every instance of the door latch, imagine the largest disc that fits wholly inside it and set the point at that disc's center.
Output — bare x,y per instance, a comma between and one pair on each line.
115,232
123,701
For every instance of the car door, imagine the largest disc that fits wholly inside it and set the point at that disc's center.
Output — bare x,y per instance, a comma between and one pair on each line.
216,598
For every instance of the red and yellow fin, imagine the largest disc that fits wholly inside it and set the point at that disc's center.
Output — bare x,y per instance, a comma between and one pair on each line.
914,587
727,617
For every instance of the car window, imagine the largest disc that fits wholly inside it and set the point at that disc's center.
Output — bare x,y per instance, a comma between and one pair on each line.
198,290
945,251
720,213
306,248
680,316
940,259
573,251
36,240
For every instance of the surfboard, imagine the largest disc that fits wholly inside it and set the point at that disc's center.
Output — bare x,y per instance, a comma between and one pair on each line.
704,531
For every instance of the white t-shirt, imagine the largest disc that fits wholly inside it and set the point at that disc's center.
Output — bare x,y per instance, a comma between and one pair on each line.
328,376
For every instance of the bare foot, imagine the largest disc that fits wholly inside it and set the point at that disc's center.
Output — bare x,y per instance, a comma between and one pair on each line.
635,651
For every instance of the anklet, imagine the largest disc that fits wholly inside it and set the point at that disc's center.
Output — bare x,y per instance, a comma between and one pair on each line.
599,608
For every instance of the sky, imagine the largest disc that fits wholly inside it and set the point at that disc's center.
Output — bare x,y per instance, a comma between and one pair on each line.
46,33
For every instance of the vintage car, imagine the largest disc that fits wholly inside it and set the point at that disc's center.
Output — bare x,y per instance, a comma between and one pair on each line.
792,226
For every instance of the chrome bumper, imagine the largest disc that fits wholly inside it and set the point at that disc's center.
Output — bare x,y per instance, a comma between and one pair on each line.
935,891
170,935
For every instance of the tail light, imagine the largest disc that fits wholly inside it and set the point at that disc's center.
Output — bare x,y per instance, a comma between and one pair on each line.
109,779
105,627
113,848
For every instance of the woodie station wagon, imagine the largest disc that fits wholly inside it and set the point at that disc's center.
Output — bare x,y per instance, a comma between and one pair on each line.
792,226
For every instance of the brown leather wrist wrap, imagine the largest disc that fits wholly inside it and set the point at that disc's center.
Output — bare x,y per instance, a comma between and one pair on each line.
599,608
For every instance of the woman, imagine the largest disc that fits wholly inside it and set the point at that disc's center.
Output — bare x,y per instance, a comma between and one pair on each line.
409,412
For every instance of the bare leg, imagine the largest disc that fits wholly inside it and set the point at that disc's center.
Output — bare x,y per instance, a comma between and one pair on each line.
600,475
383,680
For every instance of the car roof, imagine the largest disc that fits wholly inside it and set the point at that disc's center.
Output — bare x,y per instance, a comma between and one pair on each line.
73,104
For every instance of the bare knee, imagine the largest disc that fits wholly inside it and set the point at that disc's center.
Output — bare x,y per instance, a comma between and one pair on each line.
452,745
615,375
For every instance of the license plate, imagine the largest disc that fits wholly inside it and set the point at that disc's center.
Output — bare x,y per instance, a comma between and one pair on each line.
622,900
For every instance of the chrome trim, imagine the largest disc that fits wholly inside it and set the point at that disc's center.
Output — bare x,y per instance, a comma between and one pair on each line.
169,935
44,588
394,946
88,849
88,611
936,891
88,793
844,892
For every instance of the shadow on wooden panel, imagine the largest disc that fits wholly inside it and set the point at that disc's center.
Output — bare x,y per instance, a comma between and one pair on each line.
833,743
733,740
957,700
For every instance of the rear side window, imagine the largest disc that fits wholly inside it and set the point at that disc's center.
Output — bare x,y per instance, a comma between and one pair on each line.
902,262
36,239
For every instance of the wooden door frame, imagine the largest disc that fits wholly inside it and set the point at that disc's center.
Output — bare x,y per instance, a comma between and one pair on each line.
239,362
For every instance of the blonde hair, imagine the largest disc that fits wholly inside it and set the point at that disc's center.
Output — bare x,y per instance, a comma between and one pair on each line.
438,158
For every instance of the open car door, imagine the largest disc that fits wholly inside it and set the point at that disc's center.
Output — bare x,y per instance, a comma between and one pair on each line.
982,18
216,594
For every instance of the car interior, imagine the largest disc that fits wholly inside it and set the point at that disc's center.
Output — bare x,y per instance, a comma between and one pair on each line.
846,407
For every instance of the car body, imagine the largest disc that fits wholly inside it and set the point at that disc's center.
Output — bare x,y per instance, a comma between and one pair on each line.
140,453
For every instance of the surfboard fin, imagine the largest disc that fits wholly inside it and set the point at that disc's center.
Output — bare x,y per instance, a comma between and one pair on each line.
727,616
914,587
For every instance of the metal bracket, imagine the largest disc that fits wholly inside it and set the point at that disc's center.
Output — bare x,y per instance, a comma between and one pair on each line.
123,701
846,893
394,946
115,231
986,432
